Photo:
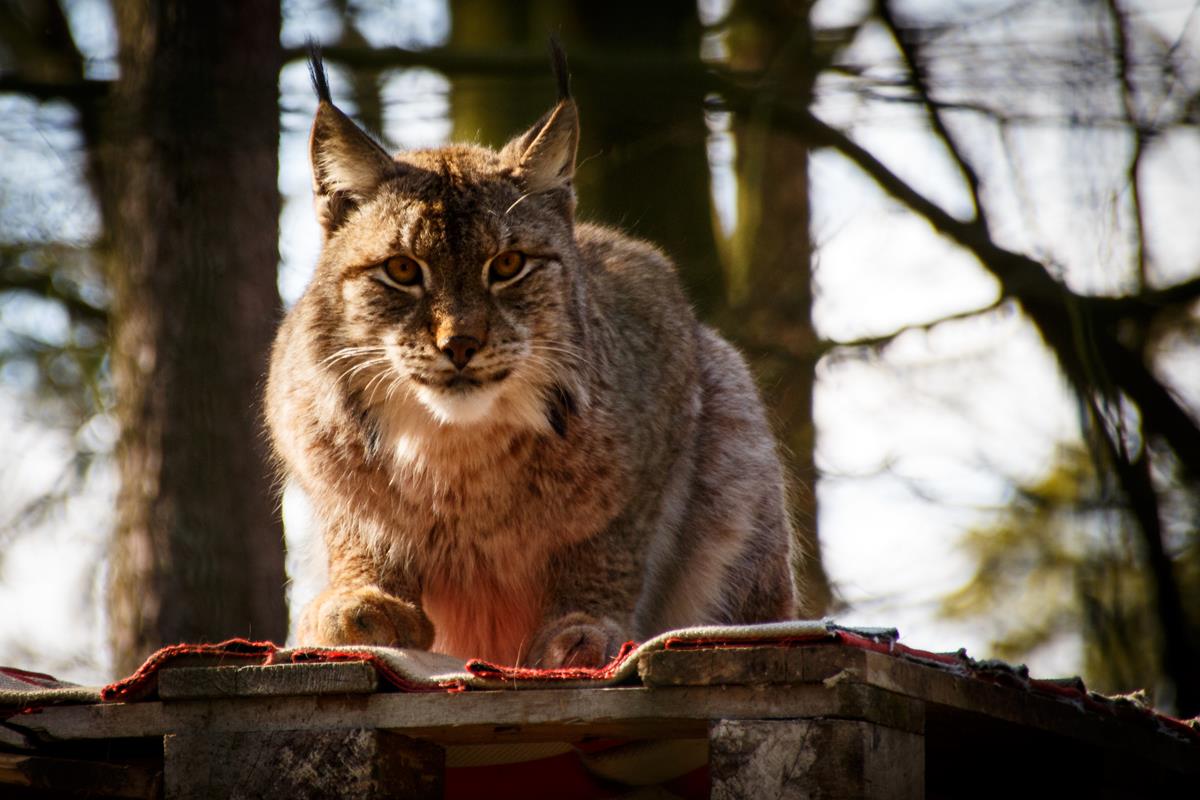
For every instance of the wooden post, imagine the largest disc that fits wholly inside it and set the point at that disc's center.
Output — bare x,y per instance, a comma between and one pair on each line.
350,764
832,758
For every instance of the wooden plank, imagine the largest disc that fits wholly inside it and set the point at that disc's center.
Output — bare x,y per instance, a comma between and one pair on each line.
69,776
347,764
751,666
944,691
815,758
765,683
13,739
947,694
333,677
712,667
470,717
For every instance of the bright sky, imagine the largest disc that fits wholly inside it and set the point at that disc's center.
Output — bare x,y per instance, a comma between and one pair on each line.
957,412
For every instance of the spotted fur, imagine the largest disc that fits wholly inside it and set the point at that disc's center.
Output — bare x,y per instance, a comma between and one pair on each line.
600,470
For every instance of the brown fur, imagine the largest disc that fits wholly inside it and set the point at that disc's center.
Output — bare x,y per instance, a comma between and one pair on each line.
603,471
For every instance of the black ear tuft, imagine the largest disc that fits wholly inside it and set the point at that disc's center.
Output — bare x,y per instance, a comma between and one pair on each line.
316,71
558,61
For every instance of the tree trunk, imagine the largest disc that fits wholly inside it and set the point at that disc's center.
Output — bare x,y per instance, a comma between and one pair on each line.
642,160
190,161
770,263
643,151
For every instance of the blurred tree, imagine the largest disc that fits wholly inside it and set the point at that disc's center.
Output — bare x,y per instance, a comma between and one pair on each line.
1059,563
34,261
189,163
364,81
643,165
491,108
182,160
1145,442
769,259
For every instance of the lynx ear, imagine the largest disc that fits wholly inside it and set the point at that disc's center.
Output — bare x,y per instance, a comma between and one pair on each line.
543,157
347,164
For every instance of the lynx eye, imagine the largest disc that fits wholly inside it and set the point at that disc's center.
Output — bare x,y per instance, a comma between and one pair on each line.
506,265
402,270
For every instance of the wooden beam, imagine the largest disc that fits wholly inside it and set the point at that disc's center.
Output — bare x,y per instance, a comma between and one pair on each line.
741,666
13,739
333,677
685,690
493,716
348,764
815,758
63,777
949,697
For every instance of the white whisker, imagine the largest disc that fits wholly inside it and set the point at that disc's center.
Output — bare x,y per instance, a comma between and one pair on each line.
350,352
383,373
396,382
356,368
516,203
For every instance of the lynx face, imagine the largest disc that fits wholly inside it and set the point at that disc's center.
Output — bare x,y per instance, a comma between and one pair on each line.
449,272
459,295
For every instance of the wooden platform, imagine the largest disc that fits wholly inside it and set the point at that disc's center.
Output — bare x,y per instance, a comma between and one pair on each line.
778,722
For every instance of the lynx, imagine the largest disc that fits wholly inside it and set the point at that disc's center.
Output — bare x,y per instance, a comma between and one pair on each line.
520,443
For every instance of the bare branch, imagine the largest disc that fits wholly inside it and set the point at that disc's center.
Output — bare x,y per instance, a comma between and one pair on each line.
1181,657
1141,135
510,62
74,91
1145,306
44,286
882,342
1089,354
911,52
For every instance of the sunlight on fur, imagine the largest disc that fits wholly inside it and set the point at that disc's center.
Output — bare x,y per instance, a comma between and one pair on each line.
529,450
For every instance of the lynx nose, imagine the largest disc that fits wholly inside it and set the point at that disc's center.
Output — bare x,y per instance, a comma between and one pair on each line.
460,349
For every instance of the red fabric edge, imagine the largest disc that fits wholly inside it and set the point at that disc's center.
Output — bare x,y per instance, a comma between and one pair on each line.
38,679
381,665
143,682
502,672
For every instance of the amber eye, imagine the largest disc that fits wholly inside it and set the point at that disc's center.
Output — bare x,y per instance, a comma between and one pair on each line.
506,265
403,270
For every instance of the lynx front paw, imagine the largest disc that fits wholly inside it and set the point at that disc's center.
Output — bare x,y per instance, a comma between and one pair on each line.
577,640
364,615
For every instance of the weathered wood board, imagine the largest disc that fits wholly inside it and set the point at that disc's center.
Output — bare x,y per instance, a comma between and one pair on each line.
300,765
276,680
478,717
815,758
787,722
63,777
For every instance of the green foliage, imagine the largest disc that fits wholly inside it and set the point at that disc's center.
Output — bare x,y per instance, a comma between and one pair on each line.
55,337
1062,561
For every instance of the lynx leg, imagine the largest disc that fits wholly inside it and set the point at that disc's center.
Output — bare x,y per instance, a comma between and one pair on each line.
593,589
363,615
364,603
577,639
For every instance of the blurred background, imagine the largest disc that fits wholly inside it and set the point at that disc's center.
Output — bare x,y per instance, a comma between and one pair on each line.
959,241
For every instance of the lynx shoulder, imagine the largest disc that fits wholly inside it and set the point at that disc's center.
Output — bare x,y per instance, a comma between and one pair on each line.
520,443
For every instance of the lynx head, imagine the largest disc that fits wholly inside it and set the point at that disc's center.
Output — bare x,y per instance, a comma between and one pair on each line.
447,281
